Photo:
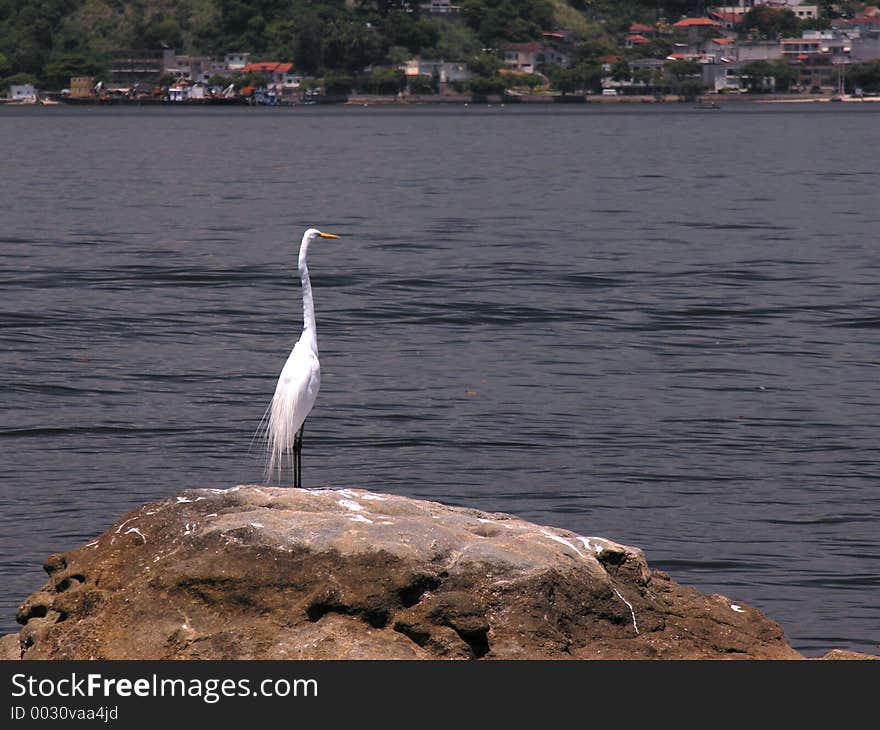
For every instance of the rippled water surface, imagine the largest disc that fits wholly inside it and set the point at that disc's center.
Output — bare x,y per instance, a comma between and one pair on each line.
653,324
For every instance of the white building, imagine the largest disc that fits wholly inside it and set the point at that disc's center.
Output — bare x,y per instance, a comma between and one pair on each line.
178,92
446,71
801,10
866,48
236,61
722,76
758,51
440,7
23,92
529,57
191,68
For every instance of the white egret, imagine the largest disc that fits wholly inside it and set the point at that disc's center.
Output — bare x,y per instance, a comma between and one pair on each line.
298,383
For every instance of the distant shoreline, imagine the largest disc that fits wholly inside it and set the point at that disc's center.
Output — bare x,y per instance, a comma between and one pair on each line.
576,99
704,100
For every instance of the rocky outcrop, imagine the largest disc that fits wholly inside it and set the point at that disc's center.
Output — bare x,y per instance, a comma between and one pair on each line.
271,573
10,647
843,654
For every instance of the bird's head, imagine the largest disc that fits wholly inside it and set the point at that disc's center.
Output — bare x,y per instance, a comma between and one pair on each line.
312,233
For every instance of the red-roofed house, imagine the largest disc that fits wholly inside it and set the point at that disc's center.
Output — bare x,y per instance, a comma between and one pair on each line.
267,67
280,75
697,29
522,56
722,49
695,23
635,39
866,47
863,24
642,29
727,19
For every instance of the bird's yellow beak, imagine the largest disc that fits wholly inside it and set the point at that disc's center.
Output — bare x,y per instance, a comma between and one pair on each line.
326,235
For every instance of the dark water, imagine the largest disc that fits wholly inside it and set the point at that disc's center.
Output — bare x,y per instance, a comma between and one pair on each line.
656,325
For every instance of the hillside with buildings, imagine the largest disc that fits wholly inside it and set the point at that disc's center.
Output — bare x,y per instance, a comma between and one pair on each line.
270,51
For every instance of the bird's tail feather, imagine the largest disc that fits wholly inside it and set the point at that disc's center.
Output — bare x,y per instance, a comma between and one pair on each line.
261,435
281,429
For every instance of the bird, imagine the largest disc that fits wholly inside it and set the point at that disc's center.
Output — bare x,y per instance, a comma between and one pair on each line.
299,382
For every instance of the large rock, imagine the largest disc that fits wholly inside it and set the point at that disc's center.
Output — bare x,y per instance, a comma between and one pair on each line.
271,573
10,647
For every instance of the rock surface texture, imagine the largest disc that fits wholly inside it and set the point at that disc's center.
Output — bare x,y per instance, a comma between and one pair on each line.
272,573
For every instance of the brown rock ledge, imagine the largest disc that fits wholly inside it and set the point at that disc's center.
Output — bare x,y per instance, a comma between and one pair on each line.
273,573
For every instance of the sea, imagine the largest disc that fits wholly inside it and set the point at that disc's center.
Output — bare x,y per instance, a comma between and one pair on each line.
647,322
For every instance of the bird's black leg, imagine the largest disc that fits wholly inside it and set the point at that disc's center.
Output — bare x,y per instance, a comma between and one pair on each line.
297,457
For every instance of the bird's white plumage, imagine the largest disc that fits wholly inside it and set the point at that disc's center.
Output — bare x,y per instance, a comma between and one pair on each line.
294,398
300,379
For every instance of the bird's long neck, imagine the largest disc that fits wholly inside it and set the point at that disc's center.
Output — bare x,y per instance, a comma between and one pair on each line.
310,333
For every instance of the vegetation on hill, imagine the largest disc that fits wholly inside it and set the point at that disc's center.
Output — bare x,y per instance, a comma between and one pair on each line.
47,41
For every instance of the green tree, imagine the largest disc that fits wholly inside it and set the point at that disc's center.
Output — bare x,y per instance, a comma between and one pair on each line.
783,74
507,20
656,48
620,71
56,73
28,56
308,53
398,55
691,88
255,36
338,84
520,30
685,78
218,80
771,22
414,34
383,81
642,76
484,64
865,76
280,38
485,85
161,31
585,76
564,80
758,76
514,80
18,79
339,45
591,52
680,70
422,84
349,46
764,76
457,41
